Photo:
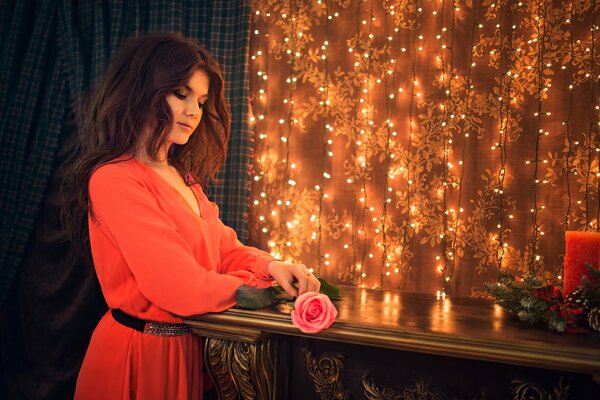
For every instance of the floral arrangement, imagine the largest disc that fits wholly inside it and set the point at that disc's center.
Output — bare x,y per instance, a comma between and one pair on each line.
577,312
311,312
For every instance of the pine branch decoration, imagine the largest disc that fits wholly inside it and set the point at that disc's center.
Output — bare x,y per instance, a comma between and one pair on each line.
536,304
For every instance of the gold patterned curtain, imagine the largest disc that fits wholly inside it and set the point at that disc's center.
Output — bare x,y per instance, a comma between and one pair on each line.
422,145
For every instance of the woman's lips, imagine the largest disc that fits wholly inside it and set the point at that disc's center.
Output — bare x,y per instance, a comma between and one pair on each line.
185,126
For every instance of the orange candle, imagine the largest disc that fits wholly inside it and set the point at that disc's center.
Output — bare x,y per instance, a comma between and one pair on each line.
581,248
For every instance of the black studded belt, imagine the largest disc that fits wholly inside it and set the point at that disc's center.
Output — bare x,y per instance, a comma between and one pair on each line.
150,327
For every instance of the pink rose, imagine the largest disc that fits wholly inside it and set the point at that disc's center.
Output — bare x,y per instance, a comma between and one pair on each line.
313,312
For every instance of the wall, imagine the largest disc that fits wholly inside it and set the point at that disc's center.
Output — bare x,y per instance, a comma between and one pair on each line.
423,145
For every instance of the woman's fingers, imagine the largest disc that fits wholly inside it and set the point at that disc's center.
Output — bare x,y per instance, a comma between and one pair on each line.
307,282
313,284
287,286
302,279
285,274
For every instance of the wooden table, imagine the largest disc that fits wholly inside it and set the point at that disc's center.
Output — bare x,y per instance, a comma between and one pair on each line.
251,354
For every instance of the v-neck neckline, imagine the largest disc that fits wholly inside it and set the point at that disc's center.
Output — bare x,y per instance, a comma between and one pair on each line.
189,206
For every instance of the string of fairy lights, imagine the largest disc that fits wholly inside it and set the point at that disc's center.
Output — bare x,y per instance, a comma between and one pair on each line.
353,180
366,131
504,105
287,138
390,85
259,109
388,127
325,131
503,102
359,136
408,225
567,122
539,39
597,120
464,117
590,141
447,114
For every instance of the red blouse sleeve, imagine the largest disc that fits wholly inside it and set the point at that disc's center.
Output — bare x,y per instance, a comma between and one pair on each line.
159,258
236,257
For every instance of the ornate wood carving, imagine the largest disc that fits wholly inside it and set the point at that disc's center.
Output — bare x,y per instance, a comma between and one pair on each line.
217,354
242,370
266,370
419,391
326,372
529,391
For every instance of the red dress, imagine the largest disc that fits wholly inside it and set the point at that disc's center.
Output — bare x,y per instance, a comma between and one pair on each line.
156,257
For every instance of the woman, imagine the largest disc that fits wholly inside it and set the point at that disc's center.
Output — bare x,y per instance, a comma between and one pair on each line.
154,130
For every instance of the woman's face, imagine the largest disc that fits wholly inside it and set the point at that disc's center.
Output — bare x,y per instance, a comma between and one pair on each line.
186,105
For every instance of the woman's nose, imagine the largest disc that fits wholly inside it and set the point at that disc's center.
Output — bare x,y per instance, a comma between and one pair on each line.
193,110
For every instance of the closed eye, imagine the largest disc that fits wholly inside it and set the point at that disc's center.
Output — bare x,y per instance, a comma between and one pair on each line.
182,96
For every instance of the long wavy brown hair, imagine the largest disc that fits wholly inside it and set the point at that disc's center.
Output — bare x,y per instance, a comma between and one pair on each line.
130,97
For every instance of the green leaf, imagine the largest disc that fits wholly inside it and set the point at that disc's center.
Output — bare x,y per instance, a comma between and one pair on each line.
332,291
281,295
252,299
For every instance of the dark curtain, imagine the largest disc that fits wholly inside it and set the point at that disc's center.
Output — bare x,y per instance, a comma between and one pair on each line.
50,53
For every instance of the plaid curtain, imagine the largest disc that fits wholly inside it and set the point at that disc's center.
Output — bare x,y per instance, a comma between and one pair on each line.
52,50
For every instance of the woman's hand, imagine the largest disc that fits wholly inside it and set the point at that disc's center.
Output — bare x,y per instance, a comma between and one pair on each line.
285,274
